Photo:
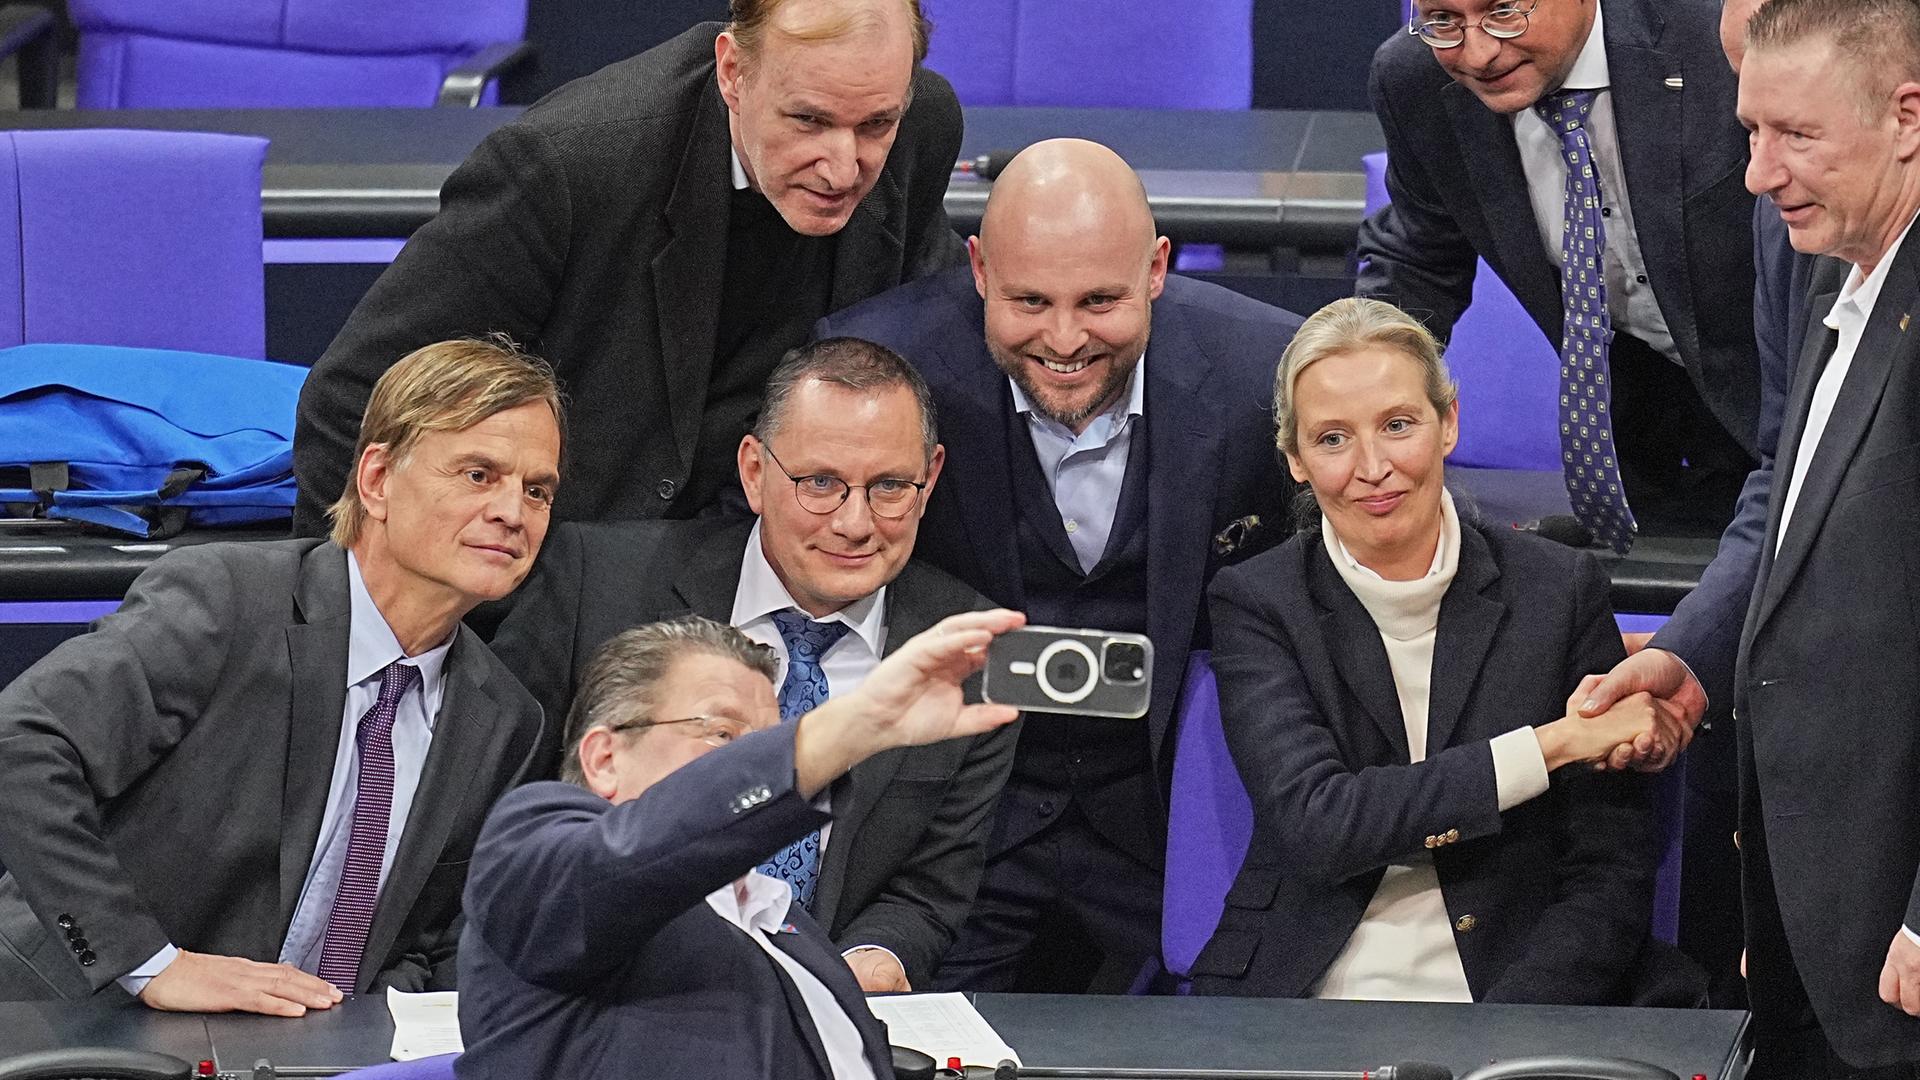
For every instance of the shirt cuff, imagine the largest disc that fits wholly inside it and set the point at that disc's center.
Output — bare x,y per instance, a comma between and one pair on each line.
877,948
1519,767
1911,936
136,980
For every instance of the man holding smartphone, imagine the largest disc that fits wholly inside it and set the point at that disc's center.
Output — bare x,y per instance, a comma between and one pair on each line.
1088,488
837,470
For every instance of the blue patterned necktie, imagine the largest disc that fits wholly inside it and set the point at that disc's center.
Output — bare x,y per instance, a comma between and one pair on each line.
1591,465
804,688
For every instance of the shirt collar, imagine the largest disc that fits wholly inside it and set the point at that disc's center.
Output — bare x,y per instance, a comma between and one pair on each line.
1133,403
371,645
1590,70
1860,293
753,901
761,594
1449,529
739,171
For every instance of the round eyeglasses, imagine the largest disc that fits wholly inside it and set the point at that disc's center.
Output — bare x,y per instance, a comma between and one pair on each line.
713,730
1506,22
821,493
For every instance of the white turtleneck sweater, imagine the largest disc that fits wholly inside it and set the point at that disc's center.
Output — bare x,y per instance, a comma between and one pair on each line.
1403,949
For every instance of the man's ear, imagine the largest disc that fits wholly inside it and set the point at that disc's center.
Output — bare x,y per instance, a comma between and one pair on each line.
977,260
596,751
371,476
933,473
750,466
727,68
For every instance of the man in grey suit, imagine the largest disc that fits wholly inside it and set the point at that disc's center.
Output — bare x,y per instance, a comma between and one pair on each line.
838,471
663,230
256,785
1468,100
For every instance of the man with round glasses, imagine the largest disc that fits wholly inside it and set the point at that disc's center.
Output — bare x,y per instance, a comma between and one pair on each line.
837,470
1589,152
621,930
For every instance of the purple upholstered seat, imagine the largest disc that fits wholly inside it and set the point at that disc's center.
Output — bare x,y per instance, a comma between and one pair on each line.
1509,373
280,53
1086,54
432,1068
141,238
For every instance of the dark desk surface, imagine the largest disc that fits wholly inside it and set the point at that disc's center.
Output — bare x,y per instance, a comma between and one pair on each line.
1257,178
62,563
1048,1030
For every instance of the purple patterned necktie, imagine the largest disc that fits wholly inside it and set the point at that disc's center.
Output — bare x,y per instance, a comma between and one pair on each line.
804,688
359,889
1591,465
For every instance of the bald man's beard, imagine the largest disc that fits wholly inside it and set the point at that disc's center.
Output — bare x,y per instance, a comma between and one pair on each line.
1019,368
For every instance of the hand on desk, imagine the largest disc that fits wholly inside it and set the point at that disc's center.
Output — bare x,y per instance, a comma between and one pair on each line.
1900,976
878,972
201,982
1663,675
1574,737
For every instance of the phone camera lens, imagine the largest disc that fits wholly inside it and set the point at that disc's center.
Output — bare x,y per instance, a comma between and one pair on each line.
1124,662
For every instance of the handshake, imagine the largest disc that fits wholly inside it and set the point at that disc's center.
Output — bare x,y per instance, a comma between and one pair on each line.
1640,715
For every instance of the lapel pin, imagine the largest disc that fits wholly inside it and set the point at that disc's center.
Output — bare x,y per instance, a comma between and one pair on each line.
1675,82
1905,318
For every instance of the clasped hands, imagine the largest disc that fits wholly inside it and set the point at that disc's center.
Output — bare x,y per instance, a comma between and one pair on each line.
1664,704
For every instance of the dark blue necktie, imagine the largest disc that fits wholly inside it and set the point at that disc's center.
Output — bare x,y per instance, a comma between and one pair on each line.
1590,461
804,688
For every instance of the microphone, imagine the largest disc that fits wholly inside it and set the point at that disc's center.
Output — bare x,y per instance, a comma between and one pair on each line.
985,166
1561,529
1405,1070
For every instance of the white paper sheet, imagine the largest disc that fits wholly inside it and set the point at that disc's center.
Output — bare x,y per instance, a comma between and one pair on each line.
424,1025
942,1026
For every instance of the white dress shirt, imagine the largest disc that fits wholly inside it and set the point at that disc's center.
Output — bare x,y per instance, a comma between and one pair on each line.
1630,300
1085,472
1404,948
371,646
757,905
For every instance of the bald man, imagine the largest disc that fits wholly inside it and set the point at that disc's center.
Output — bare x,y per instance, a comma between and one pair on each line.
666,229
1088,483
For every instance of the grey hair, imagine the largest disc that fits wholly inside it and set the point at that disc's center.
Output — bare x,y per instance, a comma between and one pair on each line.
1879,38
1348,325
620,682
853,363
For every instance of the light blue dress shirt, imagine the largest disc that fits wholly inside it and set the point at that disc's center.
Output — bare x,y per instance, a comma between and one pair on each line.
1086,471
371,646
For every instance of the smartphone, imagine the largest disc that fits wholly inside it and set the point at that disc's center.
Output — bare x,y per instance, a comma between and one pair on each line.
1051,669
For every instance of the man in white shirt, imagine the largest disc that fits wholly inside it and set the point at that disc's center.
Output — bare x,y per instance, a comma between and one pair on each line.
625,928
1829,746
255,786
837,470
1477,167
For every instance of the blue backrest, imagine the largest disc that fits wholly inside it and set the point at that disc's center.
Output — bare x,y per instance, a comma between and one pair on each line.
1087,54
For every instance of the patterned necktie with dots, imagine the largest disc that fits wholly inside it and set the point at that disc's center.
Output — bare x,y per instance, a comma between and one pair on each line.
1587,453
804,688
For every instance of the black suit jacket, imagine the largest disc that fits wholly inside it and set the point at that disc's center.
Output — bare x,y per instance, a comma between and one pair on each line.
1459,191
1551,899
1215,494
593,229
590,951
910,825
167,773
1825,691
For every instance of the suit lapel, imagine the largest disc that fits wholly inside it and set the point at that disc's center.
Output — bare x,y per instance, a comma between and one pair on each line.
810,949
1884,339
1650,159
317,659
1357,653
1815,351
1500,189
1183,473
466,740
688,271
979,477
709,579
1469,618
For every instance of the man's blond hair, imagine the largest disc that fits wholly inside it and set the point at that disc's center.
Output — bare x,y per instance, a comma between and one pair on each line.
446,386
